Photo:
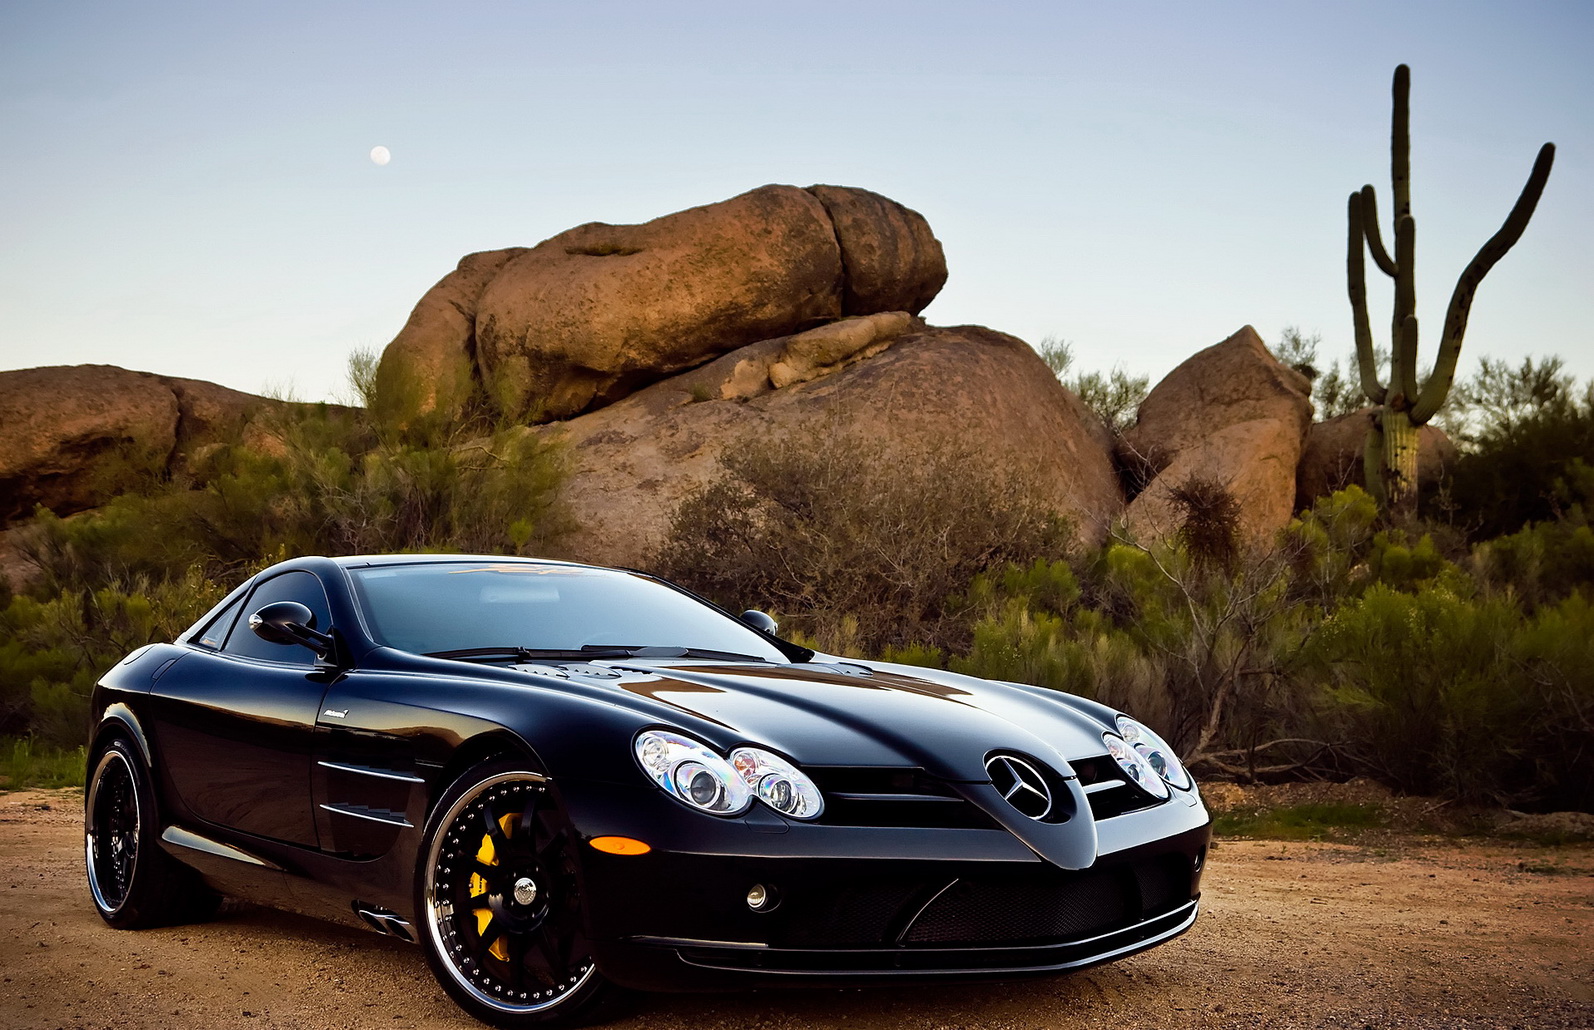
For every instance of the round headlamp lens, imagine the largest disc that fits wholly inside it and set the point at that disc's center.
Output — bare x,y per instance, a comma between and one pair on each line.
1155,751
778,783
1135,766
691,772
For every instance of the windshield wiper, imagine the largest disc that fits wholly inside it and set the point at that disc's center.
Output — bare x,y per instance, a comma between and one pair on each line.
587,652
526,654
670,651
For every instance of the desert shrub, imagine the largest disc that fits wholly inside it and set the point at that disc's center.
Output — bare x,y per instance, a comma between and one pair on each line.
320,480
52,650
26,762
1540,563
1032,626
1555,655
1113,396
1209,521
1426,692
1529,447
858,546
314,479
1199,651
1327,546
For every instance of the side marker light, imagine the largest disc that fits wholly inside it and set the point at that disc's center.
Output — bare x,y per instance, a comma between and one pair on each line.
620,845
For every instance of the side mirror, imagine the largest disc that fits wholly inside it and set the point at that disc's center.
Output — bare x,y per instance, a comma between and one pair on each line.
760,621
289,622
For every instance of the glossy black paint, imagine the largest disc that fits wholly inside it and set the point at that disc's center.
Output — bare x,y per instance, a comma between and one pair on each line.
306,782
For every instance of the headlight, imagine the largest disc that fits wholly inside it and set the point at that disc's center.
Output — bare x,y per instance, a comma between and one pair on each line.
1156,751
692,773
778,783
1135,766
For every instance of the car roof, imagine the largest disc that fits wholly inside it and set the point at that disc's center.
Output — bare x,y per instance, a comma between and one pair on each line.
352,561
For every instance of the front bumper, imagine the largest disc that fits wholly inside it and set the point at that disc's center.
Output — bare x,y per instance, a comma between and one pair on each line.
857,905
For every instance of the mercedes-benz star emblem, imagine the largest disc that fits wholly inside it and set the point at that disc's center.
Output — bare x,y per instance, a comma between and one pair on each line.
1021,784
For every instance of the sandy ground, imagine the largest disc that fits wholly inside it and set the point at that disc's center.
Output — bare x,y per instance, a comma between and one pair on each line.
1413,932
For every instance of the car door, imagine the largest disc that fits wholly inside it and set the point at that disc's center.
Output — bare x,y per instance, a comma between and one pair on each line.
235,724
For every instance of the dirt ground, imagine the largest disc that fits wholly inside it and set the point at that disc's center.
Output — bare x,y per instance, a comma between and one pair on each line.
1410,932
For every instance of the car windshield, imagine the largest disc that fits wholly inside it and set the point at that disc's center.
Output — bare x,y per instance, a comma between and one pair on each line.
458,606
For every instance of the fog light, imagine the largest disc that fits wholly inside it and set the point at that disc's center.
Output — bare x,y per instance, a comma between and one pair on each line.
760,898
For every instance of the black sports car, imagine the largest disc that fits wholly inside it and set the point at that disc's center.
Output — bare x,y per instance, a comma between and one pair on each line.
559,779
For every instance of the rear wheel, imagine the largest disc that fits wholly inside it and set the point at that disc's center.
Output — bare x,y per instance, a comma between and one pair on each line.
133,882
500,897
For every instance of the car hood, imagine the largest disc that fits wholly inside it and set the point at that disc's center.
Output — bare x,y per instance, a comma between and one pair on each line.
850,714
847,713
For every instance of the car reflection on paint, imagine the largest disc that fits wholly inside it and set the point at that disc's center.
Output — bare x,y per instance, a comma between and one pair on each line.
563,781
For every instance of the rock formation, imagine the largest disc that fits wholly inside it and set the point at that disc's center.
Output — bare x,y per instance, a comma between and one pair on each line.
1333,457
653,349
76,436
1230,414
635,460
599,311
431,363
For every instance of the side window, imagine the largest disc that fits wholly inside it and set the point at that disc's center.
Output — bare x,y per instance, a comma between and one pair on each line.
216,632
290,586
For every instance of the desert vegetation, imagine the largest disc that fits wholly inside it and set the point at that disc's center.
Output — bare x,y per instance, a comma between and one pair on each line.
320,479
1452,655
1449,656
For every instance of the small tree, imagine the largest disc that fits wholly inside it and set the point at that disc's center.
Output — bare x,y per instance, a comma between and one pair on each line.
1403,405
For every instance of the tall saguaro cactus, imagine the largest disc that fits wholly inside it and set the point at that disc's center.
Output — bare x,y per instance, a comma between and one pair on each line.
1403,406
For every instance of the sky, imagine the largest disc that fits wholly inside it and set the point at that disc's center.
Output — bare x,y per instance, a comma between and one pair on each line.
187,188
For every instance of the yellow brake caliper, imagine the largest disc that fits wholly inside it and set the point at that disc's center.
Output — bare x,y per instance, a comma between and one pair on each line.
488,855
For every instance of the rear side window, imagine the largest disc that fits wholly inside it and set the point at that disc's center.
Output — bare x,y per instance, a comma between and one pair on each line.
290,586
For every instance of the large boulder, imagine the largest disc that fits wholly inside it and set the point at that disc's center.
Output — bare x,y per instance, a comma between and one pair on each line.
1231,414
890,259
430,365
889,377
1253,461
599,311
76,436
1333,456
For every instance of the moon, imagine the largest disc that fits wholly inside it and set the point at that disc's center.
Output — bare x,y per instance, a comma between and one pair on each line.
381,155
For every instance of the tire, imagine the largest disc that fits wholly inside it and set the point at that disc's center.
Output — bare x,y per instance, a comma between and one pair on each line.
501,908
133,883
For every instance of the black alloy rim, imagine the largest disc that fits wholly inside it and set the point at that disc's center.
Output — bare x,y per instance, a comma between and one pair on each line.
113,831
504,905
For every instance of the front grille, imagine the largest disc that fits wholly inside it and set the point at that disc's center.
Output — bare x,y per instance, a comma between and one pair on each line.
1053,906
1020,912
1164,882
873,796
1107,788
854,915
1013,908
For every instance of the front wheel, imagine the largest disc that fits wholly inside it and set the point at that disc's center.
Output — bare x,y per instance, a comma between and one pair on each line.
500,899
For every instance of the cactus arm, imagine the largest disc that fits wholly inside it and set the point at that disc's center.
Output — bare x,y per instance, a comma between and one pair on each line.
1356,286
1375,241
1400,145
1444,373
1403,359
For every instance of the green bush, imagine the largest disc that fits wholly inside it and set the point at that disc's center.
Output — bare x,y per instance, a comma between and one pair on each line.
25,762
53,650
1529,444
858,546
315,479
